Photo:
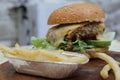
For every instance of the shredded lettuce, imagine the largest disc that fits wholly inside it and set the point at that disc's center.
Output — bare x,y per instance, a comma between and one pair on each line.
80,45
77,45
63,45
42,43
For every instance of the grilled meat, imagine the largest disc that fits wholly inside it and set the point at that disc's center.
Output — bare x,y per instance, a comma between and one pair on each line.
72,32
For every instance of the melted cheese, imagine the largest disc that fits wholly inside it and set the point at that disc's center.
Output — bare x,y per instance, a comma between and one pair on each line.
55,35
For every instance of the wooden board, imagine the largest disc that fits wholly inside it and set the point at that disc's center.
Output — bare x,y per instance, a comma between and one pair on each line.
89,71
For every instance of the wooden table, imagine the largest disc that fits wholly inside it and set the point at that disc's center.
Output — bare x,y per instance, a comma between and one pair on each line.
89,71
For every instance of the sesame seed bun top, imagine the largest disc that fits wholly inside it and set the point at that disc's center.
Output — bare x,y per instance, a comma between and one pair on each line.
76,13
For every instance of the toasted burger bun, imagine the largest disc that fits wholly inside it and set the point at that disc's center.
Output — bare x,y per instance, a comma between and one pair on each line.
77,13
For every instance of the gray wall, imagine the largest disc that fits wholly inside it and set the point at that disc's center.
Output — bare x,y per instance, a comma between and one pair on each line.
16,28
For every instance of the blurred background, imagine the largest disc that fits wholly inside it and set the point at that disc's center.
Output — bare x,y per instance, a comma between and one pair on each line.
21,19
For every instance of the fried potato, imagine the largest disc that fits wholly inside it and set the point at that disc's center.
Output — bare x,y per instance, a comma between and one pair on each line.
42,54
59,57
49,55
105,70
113,64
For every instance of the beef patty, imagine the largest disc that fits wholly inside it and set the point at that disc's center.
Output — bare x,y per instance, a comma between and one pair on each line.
72,32
88,32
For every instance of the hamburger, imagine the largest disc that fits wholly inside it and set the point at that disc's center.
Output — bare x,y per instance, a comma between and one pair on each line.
78,27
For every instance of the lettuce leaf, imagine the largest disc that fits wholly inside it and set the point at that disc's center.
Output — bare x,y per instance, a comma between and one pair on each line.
80,45
42,43
77,45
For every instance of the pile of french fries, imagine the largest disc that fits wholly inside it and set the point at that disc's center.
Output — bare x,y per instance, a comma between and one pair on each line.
42,54
58,56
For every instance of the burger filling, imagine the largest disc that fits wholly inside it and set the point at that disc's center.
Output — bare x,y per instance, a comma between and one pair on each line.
75,37
89,31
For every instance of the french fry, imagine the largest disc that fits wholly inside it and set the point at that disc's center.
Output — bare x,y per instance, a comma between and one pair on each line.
105,70
42,54
7,50
25,53
47,56
78,59
113,64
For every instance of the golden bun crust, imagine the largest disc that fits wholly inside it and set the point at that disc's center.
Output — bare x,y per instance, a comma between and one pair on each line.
76,13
